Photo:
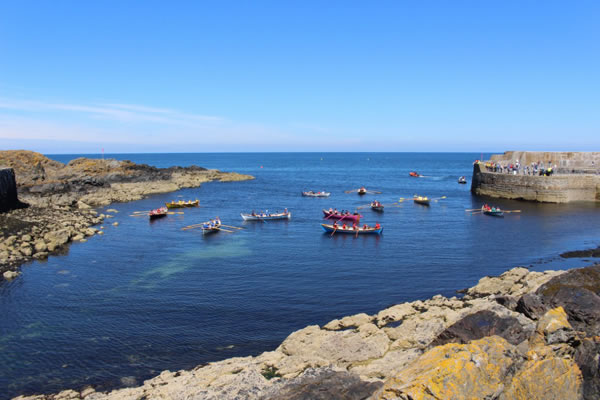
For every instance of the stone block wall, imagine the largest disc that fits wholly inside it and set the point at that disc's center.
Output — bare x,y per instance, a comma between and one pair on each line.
553,189
571,162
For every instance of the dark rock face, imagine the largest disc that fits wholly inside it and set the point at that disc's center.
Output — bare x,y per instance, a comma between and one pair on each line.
582,253
481,324
578,292
324,384
8,191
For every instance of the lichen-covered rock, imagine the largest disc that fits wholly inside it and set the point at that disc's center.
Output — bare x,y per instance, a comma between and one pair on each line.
547,379
454,371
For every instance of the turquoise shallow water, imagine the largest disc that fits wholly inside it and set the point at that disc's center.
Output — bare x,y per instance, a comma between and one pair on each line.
148,296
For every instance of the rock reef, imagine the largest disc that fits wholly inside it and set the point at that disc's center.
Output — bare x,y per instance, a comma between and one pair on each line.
61,197
522,335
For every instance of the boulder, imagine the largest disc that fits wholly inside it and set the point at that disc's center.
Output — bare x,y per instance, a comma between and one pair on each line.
455,371
8,275
546,379
480,324
40,245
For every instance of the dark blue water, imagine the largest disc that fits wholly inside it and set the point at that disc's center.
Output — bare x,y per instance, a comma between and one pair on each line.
148,296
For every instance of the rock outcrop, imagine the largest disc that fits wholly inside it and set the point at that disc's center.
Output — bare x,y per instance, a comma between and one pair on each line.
8,191
476,347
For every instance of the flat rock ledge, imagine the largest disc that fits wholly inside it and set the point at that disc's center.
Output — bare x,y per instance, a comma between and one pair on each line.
522,335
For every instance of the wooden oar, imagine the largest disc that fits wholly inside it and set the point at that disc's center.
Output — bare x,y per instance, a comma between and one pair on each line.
192,227
350,191
373,192
363,206
439,198
174,212
334,229
138,215
512,211
234,227
225,230
138,212
472,209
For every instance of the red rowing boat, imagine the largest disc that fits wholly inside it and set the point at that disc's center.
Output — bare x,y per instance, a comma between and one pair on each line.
336,215
414,174
158,213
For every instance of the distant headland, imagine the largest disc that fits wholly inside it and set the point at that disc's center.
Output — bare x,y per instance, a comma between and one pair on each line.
45,204
551,177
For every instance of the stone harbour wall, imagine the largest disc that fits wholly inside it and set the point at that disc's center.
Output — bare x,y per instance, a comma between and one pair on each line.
575,179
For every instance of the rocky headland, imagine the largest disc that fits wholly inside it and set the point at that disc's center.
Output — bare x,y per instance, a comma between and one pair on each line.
522,335
59,199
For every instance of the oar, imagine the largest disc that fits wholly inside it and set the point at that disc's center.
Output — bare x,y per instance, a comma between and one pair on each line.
225,230
234,227
174,212
138,212
334,229
373,192
472,209
357,233
350,191
138,215
191,226
439,198
363,206
512,211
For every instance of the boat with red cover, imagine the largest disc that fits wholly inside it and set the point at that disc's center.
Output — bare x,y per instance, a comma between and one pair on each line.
336,215
414,174
158,213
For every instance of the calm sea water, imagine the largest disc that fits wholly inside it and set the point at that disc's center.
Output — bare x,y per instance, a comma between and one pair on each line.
148,296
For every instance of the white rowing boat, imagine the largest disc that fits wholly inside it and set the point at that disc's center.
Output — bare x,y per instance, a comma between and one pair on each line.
266,216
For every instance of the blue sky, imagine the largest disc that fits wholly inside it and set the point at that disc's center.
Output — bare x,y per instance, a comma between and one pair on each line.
144,76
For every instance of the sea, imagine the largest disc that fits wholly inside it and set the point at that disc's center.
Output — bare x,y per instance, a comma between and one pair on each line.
148,296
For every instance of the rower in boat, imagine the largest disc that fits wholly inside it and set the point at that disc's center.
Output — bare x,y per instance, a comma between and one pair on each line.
462,179
376,206
362,190
355,229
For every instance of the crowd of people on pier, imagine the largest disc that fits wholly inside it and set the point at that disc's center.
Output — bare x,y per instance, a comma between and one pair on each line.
535,168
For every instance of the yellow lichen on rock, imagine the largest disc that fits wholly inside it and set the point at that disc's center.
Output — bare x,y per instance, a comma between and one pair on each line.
454,371
549,379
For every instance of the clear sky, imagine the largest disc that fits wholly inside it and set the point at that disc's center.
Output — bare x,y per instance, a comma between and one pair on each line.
161,76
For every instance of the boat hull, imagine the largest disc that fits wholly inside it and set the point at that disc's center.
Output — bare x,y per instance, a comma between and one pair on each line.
494,213
156,216
377,208
422,202
208,231
183,205
250,217
361,231
309,194
351,217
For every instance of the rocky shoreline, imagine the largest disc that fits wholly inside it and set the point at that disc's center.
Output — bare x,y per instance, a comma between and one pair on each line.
61,198
522,335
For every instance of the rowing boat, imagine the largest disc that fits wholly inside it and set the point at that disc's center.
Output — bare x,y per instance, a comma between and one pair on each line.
422,200
315,194
158,213
376,206
494,213
362,191
414,174
210,227
462,179
360,231
346,217
182,204
266,216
